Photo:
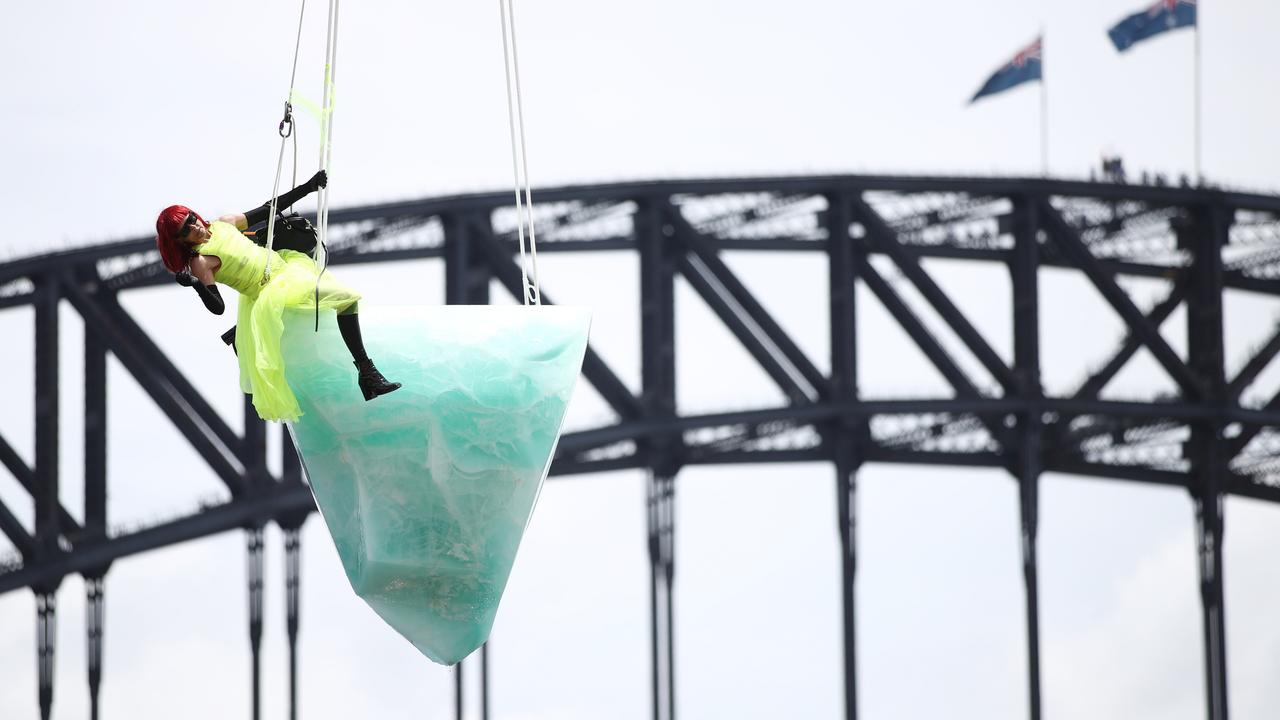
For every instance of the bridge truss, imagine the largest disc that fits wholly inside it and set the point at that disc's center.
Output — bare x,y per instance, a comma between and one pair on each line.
873,231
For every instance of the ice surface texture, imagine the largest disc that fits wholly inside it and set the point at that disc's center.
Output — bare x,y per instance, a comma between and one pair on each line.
427,491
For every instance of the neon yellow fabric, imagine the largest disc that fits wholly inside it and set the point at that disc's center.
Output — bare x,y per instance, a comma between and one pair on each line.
259,320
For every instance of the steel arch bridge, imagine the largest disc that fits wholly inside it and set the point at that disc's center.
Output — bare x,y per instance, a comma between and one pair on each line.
1200,241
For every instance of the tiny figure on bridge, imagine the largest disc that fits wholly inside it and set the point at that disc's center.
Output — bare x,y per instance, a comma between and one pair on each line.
201,254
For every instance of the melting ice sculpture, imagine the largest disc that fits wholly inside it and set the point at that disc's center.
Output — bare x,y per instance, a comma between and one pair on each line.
428,490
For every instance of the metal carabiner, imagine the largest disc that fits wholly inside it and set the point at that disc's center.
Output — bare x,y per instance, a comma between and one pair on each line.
287,121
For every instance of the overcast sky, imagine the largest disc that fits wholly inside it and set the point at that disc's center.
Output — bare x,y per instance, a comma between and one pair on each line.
113,111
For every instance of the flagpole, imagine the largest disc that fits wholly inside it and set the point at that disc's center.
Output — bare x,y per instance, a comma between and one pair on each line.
1199,177
1044,113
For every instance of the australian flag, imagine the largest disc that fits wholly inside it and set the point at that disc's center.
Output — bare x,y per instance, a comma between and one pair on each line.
1024,67
1163,16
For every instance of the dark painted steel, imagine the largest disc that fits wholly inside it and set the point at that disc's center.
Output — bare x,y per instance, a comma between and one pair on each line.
467,276
819,185
457,692
47,525
46,642
17,534
916,329
654,233
127,347
26,477
121,324
699,279
484,680
1130,345
1259,362
95,438
1069,242
884,239
284,500
1088,226
1205,233
253,448
95,620
253,537
845,260
705,251
46,478
293,599
95,504
16,466
1024,271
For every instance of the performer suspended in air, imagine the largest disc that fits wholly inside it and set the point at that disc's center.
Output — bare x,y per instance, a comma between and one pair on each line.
201,254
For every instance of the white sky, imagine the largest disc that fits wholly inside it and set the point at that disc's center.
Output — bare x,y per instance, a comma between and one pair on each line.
112,111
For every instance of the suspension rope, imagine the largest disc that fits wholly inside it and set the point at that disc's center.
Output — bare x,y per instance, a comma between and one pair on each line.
285,129
326,147
519,158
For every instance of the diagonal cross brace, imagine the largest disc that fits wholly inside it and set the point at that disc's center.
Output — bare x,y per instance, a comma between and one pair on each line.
27,479
1159,313
17,534
1068,240
155,358
1249,431
170,399
697,275
276,501
698,245
594,368
919,333
1253,368
884,239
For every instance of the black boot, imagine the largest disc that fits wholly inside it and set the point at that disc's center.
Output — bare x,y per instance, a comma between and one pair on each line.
372,383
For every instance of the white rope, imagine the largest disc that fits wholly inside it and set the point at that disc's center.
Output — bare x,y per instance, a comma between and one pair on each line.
519,158
326,145
284,138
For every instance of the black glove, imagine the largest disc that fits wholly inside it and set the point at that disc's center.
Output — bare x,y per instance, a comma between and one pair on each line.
210,297
319,180
260,214
184,278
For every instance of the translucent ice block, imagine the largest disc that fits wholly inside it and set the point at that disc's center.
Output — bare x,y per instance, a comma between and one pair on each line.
428,490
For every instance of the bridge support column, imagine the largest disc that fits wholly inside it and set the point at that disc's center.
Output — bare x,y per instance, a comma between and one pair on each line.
467,279
94,612
844,259
655,233
46,301
661,600
293,594
847,502
254,541
95,502
46,642
1205,233
1027,435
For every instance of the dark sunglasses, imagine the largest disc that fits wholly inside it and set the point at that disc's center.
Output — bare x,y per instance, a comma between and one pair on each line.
187,224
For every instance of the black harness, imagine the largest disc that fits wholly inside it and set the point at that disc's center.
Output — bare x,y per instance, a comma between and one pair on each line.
292,232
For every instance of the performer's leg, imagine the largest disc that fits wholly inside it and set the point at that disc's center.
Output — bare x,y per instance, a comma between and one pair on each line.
372,383
349,326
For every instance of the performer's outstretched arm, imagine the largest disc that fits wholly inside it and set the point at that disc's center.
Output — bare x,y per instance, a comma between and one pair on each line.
260,214
201,278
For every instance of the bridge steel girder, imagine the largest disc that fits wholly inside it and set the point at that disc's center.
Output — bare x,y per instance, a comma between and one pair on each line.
1202,440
